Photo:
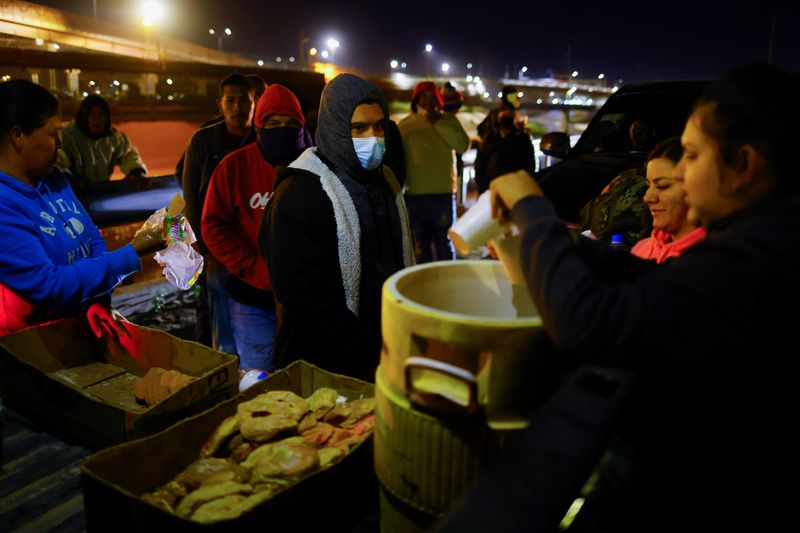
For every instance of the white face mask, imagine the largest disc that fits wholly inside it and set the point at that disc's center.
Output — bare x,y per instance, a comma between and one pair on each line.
369,151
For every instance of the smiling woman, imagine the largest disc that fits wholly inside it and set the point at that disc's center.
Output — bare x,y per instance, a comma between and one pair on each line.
672,231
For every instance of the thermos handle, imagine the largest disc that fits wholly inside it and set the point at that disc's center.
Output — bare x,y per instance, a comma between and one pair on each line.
441,387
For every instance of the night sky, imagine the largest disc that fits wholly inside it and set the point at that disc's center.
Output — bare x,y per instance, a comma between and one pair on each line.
633,41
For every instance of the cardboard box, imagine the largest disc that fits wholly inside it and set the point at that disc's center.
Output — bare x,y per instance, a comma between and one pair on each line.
70,380
334,499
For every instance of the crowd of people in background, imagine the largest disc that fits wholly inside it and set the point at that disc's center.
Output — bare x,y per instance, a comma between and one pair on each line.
299,230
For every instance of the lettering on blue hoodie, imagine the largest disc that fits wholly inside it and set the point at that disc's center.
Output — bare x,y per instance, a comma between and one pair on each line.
51,253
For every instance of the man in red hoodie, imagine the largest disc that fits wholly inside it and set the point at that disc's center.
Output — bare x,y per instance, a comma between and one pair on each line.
238,192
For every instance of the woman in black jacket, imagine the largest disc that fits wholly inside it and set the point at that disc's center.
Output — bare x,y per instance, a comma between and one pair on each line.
710,333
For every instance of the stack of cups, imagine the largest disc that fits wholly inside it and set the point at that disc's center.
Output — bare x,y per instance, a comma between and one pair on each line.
476,228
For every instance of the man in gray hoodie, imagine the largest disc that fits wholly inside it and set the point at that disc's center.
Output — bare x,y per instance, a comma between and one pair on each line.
332,233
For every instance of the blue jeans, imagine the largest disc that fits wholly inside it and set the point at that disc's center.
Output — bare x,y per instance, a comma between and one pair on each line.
254,333
221,329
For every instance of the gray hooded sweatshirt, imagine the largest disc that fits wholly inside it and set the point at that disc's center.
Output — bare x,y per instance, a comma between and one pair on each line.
331,235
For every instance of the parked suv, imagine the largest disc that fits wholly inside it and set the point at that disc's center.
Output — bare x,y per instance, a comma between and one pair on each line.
631,122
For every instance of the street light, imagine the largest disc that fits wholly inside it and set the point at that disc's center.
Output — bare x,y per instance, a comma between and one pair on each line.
324,54
152,12
445,67
333,44
429,48
226,32
393,63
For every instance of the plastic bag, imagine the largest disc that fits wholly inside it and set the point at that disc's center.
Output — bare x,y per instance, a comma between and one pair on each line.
182,264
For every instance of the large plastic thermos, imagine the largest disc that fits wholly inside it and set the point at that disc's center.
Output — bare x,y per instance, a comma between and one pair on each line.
465,360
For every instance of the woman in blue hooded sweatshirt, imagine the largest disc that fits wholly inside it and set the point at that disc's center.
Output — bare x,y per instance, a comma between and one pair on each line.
53,260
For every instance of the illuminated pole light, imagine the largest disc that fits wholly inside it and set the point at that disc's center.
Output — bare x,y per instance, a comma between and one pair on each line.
39,41
55,46
260,62
333,44
524,70
469,65
520,94
291,59
394,63
429,48
574,73
211,31
312,52
152,12
228,32
601,76
169,81
445,67
403,64
324,54
278,59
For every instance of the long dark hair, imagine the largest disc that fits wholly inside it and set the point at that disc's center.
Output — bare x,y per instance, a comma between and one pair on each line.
668,148
746,106
25,104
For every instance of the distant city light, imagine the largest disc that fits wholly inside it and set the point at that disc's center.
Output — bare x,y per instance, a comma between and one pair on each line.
552,93
469,65
469,77
169,81
312,52
445,67
394,63
291,59
211,31
520,94
39,41
332,43
228,31
486,95
555,100
260,62
574,73
476,79
5,77
614,89
325,54
116,82
538,100
500,94
55,46
601,76
91,83
84,94
429,48
524,69
403,64
278,59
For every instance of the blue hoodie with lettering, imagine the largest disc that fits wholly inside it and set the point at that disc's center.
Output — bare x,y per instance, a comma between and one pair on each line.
53,260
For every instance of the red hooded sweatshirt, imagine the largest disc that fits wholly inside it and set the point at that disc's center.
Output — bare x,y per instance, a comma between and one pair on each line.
238,192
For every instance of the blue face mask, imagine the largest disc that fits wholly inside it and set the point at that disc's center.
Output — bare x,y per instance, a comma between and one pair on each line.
369,151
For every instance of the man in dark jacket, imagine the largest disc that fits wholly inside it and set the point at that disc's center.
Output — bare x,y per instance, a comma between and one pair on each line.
334,230
206,149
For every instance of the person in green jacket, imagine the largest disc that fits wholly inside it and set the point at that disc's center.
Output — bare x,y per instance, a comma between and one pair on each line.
91,147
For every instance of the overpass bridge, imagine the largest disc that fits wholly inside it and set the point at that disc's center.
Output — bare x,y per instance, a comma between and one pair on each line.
74,56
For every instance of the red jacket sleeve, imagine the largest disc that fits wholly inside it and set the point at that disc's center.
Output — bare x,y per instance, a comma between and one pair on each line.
222,235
